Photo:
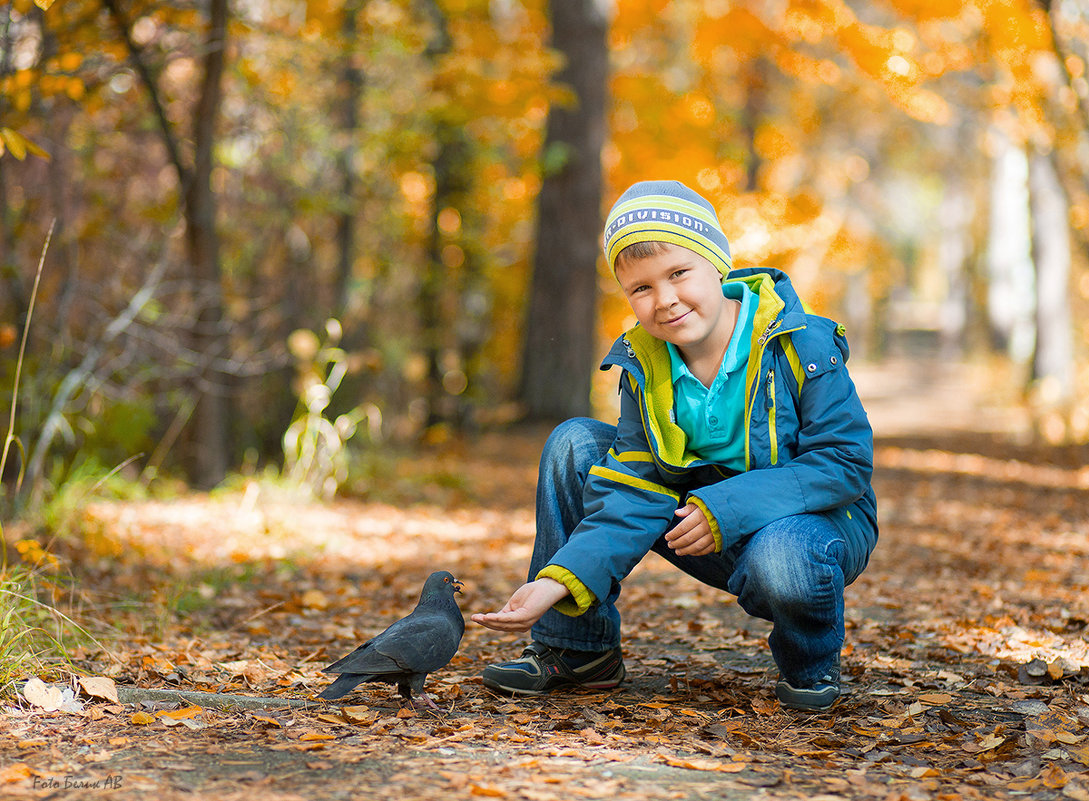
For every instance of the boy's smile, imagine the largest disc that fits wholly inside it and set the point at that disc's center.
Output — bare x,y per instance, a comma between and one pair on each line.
676,295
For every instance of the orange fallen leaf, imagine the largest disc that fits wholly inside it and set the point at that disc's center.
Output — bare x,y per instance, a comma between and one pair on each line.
181,714
14,773
316,735
1080,754
490,792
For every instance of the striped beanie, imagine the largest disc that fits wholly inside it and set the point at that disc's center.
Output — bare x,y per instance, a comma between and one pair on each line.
666,211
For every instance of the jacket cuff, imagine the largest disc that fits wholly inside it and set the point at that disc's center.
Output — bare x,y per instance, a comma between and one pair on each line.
711,521
581,597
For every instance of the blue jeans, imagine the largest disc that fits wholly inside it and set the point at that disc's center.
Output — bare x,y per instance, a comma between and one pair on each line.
791,572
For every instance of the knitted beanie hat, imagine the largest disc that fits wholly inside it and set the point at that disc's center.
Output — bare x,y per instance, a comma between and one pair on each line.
666,211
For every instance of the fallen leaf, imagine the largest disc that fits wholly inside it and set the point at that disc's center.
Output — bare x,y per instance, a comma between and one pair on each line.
358,715
99,687
44,696
314,599
181,714
1079,754
703,764
14,773
936,699
141,719
490,792
1054,777
316,735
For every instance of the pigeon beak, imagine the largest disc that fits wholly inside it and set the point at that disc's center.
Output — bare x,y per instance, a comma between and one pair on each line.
457,586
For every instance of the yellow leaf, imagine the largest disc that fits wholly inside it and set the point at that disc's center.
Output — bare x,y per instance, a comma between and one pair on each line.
141,719
15,141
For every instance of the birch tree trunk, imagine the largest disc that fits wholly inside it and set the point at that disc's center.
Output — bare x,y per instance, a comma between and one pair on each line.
1053,359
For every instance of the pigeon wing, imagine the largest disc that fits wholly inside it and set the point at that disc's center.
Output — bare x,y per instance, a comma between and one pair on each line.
405,647
429,642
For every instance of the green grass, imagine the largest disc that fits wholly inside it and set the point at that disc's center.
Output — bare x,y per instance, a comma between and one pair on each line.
35,638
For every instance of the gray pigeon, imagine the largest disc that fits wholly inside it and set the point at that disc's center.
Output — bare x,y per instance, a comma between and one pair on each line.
407,651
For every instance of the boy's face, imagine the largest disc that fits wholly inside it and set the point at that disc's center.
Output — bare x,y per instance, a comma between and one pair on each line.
677,297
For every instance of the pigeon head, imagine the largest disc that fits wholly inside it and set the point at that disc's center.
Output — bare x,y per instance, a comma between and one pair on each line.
440,584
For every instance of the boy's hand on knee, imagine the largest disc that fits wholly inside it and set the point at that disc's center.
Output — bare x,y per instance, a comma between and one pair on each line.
692,535
525,607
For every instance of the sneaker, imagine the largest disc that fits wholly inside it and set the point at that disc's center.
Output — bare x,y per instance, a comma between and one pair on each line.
818,697
541,669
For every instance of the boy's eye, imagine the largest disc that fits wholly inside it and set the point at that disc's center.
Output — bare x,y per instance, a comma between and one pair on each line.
680,272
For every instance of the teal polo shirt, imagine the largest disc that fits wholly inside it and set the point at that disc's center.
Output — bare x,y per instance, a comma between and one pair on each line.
714,417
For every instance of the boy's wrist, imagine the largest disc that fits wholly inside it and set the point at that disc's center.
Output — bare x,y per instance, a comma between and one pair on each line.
577,597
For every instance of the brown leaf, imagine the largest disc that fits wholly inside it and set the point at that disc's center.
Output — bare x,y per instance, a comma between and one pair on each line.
99,687
936,699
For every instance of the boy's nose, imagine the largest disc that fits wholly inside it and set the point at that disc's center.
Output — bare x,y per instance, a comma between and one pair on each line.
666,299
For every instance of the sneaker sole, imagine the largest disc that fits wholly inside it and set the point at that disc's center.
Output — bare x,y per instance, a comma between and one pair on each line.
611,684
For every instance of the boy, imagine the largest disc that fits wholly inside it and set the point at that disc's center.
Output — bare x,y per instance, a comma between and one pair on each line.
742,455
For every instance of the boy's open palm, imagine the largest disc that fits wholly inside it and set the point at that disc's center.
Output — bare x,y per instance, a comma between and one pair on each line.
525,607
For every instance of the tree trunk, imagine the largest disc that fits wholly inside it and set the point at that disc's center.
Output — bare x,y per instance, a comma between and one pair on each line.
1009,261
560,340
207,447
208,460
349,96
1053,360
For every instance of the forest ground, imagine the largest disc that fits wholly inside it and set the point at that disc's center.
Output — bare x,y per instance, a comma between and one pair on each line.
966,663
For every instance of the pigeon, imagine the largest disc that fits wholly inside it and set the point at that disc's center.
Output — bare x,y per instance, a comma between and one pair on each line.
408,650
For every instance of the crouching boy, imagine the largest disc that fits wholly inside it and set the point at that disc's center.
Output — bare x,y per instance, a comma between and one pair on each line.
742,455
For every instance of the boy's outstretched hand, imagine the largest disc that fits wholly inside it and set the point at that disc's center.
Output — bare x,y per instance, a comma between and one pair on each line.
692,536
525,607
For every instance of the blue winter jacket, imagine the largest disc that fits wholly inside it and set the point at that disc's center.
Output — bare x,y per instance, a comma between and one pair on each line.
808,448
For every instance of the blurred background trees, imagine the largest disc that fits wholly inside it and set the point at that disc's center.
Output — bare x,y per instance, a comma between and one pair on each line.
414,184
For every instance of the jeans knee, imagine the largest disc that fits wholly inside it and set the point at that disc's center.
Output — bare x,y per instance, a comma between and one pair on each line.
785,573
574,446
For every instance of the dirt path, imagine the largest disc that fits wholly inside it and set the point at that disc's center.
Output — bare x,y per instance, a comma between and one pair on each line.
966,662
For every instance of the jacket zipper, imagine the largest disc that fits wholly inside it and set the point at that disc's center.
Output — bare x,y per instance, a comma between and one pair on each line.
761,346
769,392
